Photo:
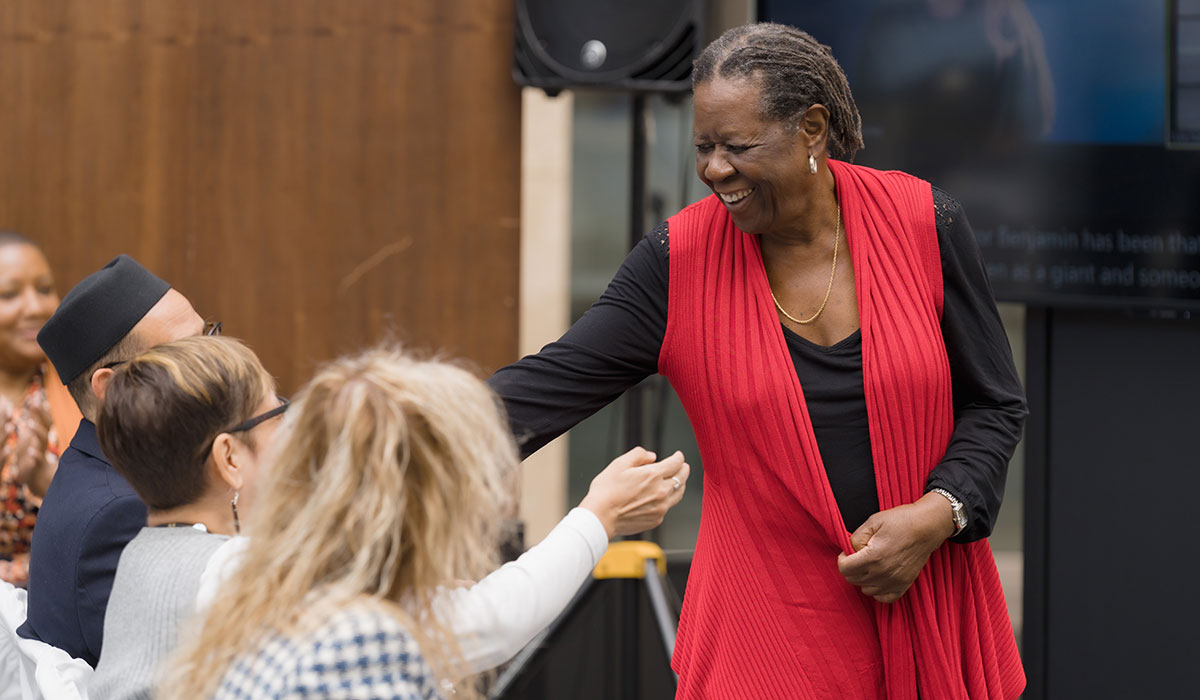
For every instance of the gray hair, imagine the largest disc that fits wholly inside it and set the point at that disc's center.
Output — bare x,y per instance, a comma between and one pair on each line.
794,71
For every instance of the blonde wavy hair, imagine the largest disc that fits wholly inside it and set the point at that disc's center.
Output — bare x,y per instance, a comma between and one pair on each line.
391,478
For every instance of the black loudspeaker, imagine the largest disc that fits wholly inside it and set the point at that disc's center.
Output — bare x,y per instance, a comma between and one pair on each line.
639,45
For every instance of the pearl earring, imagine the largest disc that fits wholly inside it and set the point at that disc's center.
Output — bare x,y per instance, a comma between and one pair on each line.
812,164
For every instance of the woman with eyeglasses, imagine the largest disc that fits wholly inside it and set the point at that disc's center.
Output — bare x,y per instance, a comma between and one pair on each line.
389,483
187,424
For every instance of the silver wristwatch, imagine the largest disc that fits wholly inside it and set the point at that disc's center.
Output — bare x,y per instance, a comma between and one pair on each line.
957,512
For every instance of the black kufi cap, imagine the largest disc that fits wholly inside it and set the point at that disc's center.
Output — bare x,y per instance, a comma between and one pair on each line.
97,313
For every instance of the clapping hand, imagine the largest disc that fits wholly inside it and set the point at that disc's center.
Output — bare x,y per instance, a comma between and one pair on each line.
27,452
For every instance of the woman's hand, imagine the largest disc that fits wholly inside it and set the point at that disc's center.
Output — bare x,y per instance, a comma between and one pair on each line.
891,548
634,492
34,467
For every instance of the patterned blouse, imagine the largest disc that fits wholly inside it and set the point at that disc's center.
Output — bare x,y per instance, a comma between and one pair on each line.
359,651
19,506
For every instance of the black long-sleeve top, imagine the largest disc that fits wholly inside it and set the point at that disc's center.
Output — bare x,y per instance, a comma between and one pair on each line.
616,344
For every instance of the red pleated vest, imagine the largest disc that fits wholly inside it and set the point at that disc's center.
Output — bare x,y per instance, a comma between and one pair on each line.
766,613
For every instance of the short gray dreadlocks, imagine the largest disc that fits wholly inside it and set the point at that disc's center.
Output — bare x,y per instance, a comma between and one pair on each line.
794,70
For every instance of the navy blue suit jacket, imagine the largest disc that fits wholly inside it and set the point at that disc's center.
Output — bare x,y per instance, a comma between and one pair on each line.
90,512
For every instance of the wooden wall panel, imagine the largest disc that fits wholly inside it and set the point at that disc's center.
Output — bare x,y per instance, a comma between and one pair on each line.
317,174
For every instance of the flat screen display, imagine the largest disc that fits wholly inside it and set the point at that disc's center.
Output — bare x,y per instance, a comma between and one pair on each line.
1068,129
1185,73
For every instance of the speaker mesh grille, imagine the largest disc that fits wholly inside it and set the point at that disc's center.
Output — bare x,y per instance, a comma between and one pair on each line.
665,64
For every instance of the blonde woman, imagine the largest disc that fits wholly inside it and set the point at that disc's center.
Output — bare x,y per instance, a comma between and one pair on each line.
390,481
186,424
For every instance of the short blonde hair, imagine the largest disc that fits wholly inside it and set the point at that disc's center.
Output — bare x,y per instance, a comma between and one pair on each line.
390,480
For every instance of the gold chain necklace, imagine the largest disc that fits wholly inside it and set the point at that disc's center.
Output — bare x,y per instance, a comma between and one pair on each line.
837,234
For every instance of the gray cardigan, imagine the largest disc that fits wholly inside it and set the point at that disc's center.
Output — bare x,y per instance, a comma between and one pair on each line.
153,595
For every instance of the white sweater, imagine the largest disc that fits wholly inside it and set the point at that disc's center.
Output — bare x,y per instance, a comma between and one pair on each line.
498,616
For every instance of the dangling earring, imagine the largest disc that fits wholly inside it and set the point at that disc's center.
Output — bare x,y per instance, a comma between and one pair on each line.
812,164
237,527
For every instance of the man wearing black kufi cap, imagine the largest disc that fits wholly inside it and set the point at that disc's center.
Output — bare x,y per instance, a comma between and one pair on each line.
90,512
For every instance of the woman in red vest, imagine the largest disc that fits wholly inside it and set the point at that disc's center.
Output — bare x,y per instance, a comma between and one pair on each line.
832,334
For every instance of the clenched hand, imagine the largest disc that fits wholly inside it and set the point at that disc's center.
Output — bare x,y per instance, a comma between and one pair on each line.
891,548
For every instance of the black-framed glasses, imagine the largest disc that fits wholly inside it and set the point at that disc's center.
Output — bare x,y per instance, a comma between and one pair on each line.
264,416
210,328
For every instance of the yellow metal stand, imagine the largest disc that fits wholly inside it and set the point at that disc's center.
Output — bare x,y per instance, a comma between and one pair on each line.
627,559
612,607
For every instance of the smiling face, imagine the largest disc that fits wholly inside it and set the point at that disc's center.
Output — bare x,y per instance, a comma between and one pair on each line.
758,167
27,299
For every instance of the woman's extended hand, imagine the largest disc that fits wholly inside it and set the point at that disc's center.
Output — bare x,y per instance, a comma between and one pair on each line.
634,492
891,548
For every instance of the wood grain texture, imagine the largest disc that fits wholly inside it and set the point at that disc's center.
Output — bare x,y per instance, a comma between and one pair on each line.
319,175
